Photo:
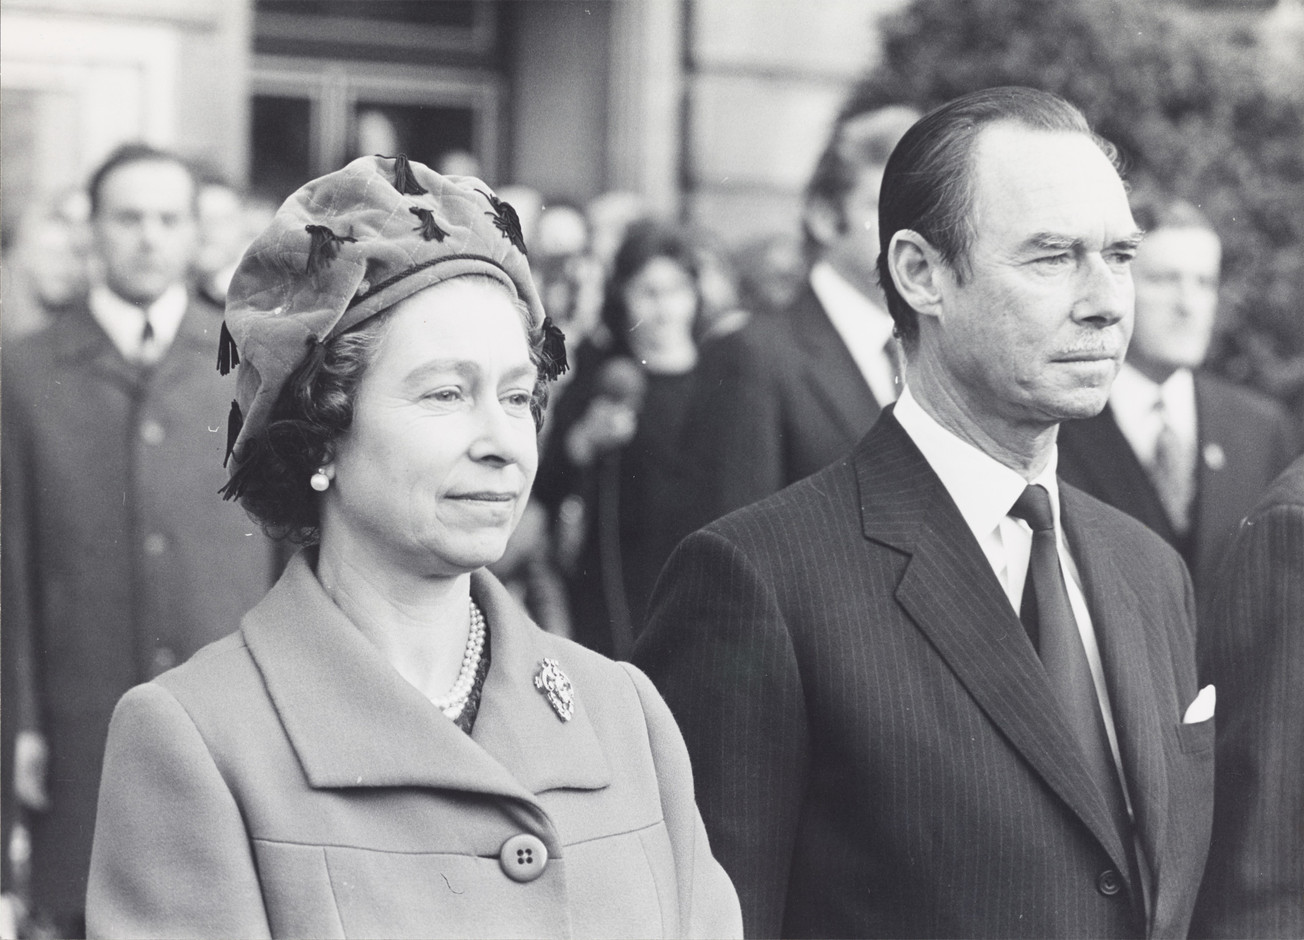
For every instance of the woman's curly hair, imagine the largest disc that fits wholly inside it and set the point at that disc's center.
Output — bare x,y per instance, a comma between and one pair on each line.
314,409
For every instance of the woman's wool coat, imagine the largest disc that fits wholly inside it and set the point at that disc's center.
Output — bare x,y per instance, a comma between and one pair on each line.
288,782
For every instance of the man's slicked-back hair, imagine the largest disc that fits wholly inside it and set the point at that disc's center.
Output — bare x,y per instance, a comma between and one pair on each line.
928,185
128,154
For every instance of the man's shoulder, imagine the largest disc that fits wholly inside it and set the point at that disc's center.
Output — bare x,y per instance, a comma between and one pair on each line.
200,306
35,357
1286,490
773,338
1237,401
761,340
798,506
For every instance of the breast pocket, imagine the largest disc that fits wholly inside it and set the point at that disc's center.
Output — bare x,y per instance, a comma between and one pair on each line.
1197,738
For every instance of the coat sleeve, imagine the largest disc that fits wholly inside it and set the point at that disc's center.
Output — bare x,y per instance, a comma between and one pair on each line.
18,560
171,856
708,904
717,648
1254,881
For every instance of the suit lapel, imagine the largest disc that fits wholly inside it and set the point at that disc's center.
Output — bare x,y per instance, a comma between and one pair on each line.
1119,615
829,371
333,690
1216,482
83,341
1096,456
951,593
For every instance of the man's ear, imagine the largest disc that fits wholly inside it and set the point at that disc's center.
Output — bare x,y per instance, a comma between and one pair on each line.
917,269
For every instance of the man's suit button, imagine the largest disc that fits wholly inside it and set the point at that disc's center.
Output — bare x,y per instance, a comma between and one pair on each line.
1109,883
523,857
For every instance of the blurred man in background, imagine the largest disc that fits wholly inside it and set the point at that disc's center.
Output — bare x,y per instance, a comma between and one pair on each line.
229,219
119,558
784,396
1178,448
45,266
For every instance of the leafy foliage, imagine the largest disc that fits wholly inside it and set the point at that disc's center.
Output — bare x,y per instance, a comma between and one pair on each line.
1209,111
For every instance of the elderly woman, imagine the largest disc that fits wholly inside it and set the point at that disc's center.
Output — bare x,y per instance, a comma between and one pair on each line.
387,746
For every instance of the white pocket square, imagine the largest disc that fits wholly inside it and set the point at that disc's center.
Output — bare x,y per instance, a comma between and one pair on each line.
1202,708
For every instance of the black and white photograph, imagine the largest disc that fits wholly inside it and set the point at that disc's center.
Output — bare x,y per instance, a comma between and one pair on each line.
652,468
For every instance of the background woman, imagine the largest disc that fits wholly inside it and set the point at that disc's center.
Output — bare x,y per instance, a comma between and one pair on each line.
615,443
387,746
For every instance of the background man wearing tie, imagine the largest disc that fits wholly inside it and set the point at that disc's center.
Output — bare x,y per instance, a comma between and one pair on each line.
119,558
1182,450
783,397
881,747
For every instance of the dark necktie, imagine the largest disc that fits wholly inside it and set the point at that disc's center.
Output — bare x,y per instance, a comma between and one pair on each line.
1173,472
1054,632
145,350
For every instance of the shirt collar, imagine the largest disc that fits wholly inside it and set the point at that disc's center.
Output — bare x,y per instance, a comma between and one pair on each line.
852,313
1133,398
982,487
123,320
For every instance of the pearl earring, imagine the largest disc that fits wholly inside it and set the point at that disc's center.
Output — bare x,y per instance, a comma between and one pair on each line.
319,481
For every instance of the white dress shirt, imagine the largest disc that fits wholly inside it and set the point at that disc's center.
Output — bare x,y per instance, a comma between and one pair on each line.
984,490
1134,399
125,321
865,328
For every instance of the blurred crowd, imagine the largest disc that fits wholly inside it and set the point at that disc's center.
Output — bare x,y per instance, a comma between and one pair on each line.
704,374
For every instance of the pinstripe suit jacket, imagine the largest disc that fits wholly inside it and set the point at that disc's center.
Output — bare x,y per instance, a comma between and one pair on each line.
1254,649
877,749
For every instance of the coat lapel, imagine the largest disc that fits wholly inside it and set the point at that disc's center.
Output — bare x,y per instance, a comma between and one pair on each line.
1217,483
333,690
82,341
1119,615
951,593
516,724
829,371
1096,456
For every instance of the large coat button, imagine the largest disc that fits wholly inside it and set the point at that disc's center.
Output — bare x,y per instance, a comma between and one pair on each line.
1109,883
523,857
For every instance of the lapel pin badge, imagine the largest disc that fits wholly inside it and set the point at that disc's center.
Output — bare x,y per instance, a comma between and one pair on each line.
1214,457
556,685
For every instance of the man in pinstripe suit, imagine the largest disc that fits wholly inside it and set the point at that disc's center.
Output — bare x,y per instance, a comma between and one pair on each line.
1254,648
881,747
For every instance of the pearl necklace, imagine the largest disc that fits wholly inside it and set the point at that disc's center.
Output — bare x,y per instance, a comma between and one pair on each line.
453,703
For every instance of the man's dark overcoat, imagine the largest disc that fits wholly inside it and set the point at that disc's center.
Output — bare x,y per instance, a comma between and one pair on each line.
120,558
774,402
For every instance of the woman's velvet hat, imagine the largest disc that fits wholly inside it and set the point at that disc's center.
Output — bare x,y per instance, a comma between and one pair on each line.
343,248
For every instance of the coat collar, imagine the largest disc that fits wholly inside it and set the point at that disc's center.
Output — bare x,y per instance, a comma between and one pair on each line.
78,338
829,370
333,691
972,626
